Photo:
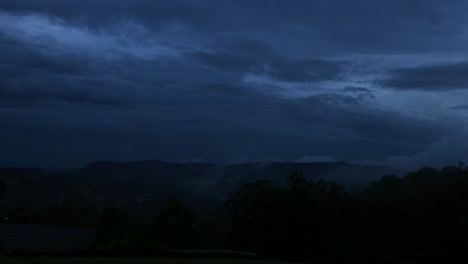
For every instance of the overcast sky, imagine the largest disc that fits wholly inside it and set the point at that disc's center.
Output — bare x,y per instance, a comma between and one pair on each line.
383,82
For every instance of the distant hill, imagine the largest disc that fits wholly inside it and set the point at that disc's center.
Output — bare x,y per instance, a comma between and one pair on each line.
149,183
149,176
198,176
151,170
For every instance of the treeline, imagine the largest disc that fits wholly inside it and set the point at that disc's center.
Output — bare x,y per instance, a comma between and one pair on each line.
2,189
424,213
172,228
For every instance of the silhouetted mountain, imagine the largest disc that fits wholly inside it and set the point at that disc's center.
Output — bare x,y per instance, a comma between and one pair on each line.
150,170
146,184
23,183
202,177
148,177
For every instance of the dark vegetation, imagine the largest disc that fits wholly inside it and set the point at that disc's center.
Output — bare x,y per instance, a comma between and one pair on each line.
2,189
423,214
131,261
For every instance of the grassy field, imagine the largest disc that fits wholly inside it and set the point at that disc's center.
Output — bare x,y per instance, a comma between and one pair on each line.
129,261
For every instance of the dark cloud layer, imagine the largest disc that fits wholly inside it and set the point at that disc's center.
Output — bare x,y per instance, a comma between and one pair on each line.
305,70
436,77
224,81
300,70
459,107
321,25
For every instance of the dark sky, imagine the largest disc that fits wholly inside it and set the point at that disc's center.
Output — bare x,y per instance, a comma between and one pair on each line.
367,81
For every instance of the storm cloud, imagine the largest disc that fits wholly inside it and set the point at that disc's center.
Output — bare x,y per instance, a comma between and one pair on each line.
229,81
435,77
460,107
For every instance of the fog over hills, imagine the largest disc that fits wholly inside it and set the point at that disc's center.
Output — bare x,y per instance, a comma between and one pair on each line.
152,181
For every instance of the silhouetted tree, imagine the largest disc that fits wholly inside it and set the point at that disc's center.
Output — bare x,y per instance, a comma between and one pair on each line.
111,228
174,226
251,211
294,222
2,189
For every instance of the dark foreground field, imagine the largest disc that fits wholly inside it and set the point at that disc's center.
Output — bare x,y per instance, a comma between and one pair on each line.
129,261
